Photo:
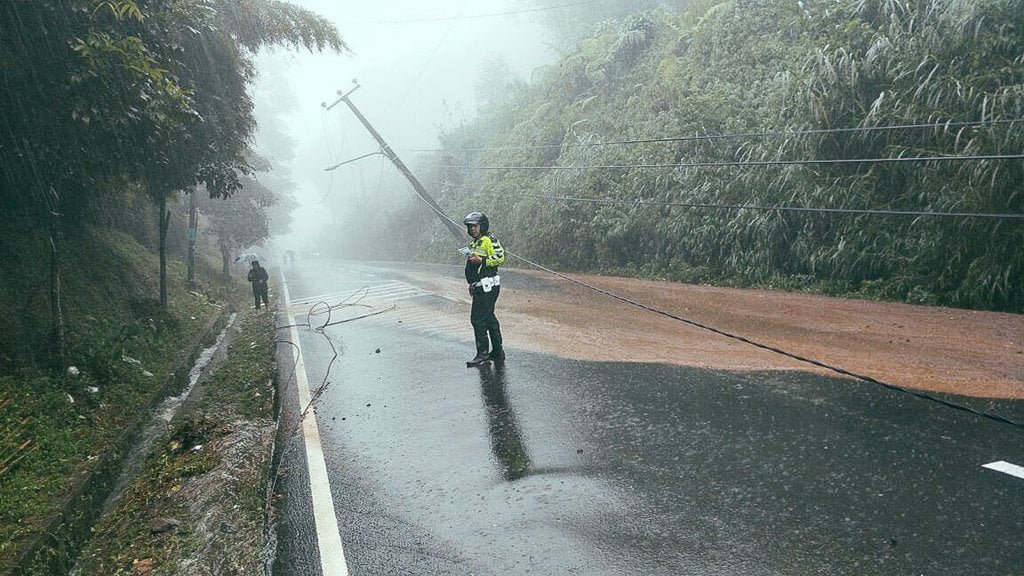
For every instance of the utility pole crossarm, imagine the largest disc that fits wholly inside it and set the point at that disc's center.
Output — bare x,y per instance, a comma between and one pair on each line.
456,231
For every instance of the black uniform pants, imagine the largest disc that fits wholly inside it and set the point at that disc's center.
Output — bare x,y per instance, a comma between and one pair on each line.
260,291
485,324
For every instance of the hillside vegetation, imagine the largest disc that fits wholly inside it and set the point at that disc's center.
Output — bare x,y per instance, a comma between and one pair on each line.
63,434
857,148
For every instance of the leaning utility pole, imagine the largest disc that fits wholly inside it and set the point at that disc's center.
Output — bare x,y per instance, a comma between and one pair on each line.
456,231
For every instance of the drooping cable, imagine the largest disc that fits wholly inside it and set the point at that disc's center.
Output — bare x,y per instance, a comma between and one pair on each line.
745,163
737,136
770,348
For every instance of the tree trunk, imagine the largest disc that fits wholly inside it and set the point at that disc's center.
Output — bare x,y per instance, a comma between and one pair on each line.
193,226
165,222
58,336
225,254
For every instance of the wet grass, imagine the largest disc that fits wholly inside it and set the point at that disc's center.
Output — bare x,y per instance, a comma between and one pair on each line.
144,528
53,430
199,505
242,381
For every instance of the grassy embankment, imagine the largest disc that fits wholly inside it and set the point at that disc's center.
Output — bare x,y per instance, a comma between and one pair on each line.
64,435
198,505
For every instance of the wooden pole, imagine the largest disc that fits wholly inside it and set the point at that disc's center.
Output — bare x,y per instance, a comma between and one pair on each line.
454,228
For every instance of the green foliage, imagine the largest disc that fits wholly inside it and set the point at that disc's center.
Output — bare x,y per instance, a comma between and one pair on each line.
569,21
107,102
121,342
56,436
15,444
150,91
899,63
244,382
261,23
72,422
734,111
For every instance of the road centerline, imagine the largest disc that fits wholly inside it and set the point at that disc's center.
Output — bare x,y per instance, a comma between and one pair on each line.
1006,468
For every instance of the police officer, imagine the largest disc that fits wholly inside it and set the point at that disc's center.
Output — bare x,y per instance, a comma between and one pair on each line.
484,255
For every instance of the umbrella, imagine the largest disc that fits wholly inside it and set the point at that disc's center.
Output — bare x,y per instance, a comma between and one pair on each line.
247,257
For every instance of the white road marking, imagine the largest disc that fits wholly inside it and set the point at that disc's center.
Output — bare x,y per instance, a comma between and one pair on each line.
332,554
378,296
1006,468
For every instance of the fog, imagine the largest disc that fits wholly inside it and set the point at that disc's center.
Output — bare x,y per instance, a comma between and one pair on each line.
416,64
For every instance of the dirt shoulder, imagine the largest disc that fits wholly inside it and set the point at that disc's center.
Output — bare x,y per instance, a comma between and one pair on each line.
937,349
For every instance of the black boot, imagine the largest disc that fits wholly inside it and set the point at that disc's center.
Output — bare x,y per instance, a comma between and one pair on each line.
497,350
482,346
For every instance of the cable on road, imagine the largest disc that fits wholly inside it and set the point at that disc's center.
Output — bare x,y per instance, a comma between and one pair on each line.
324,308
770,348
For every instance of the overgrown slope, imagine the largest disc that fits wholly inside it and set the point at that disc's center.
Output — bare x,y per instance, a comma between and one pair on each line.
865,148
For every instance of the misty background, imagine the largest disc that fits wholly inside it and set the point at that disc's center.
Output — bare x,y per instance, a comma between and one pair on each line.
418,66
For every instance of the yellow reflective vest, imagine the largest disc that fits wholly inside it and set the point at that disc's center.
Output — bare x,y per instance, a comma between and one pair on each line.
489,248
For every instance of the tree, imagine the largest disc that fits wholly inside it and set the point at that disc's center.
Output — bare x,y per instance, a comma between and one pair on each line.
53,167
571,21
497,84
240,221
207,48
98,93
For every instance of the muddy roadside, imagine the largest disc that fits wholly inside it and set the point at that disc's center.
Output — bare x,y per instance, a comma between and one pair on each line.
601,318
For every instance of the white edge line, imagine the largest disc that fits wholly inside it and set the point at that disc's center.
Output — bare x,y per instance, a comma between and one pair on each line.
332,554
1006,468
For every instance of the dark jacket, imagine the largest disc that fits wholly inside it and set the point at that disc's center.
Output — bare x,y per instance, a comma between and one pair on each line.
258,275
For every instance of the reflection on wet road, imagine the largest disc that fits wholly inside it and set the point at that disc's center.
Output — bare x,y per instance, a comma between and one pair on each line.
552,466
506,439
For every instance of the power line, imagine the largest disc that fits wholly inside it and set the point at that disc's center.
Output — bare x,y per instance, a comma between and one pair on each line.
913,213
743,163
487,15
736,136
770,348
916,213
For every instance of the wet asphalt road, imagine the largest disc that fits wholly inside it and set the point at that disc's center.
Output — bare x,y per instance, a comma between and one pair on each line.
549,466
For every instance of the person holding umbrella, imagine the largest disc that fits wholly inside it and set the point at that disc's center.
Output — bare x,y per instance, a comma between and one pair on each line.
258,277
247,257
